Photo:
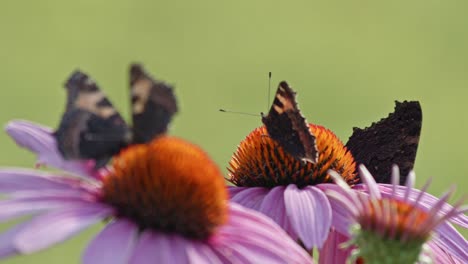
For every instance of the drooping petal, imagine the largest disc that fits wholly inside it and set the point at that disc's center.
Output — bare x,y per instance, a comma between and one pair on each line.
16,180
251,197
310,214
34,202
199,252
256,252
54,227
450,240
332,251
40,140
273,207
255,237
438,255
114,244
155,247
341,217
233,190
6,241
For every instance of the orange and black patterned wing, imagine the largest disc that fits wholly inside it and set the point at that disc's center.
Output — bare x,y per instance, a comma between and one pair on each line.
90,128
392,140
286,125
153,105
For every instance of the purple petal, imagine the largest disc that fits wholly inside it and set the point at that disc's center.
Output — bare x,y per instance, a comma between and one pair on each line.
450,240
37,202
441,256
369,181
155,247
54,227
251,197
6,241
15,180
40,140
113,245
341,218
233,190
331,252
199,252
273,207
249,237
310,214
427,202
259,252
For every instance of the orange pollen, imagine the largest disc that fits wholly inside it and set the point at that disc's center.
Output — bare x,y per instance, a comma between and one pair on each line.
260,162
407,219
168,185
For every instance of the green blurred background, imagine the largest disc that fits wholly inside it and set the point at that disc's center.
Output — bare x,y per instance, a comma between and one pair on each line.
348,61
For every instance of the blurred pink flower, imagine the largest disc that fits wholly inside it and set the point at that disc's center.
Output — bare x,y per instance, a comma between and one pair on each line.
395,215
65,203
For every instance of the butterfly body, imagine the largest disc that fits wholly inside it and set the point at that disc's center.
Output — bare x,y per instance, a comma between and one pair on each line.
91,128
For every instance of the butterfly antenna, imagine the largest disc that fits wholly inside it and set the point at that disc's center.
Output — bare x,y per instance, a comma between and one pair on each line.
236,112
269,88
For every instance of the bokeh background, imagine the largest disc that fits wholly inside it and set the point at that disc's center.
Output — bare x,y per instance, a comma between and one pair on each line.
348,61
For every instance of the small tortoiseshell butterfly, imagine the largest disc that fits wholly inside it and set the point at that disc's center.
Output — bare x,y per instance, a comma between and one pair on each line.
392,140
287,126
91,128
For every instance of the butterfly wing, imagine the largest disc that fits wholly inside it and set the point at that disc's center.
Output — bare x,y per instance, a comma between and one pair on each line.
286,125
153,105
90,128
392,140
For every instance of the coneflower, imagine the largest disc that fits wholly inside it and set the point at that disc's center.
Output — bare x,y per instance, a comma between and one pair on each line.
164,200
394,228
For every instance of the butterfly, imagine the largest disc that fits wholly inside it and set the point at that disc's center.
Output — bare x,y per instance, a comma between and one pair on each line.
91,128
392,140
287,126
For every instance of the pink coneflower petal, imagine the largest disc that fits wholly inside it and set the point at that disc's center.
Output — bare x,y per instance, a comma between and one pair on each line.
251,197
252,235
155,247
56,226
233,190
310,214
273,206
14,180
451,241
201,253
341,215
440,255
37,202
40,140
6,240
255,252
369,181
332,252
409,184
114,244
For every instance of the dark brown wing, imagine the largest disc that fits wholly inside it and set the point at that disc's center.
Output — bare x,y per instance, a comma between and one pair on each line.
153,105
286,125
392,140
90,128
